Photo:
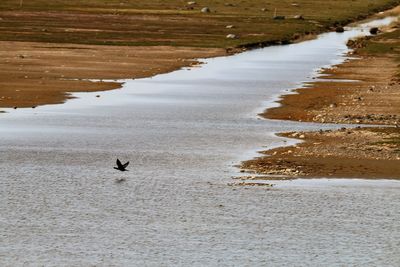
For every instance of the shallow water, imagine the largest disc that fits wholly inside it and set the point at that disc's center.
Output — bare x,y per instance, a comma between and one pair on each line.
183,133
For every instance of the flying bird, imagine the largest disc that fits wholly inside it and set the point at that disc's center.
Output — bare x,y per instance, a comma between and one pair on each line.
121,167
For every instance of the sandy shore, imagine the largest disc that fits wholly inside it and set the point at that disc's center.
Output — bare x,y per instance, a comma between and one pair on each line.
364,90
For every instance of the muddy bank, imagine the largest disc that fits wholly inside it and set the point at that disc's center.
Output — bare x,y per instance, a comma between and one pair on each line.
33,74
363,90
358,91
349,153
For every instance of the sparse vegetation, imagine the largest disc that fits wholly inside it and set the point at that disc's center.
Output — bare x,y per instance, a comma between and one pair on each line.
175,22
386,43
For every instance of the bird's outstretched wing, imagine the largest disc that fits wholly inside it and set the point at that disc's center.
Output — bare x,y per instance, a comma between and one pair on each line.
125,165
119,164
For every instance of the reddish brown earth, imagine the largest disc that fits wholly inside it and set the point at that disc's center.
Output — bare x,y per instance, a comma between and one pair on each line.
373,98
346,153
34,74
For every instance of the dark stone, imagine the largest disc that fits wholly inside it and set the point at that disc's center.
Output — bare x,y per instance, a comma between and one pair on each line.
339,29
374,30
